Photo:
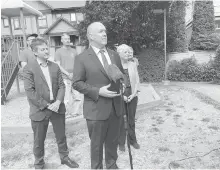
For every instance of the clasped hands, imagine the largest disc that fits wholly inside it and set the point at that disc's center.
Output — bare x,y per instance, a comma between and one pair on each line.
54,106
129,98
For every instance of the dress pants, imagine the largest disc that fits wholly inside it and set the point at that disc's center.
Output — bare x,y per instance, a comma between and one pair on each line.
104,132
40,131
132,106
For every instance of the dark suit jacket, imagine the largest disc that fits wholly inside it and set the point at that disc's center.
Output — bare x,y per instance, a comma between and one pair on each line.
37,89
89,76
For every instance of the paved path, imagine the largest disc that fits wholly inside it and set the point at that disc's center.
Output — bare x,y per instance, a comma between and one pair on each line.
15,113
208,89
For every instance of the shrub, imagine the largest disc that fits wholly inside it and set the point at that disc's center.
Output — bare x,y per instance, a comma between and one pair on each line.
207,42
216,66
203,26
151,65
176,39
190,70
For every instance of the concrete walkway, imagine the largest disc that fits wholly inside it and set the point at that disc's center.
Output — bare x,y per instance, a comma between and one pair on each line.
208,89
148,98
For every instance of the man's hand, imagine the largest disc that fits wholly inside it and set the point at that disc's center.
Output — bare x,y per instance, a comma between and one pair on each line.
104,92
54,106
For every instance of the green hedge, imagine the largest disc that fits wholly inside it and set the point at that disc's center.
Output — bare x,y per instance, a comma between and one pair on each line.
151,65
176,36
189,70
203,26
216,65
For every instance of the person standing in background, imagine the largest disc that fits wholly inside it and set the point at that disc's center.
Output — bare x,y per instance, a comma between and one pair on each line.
27,54
132,84
65,57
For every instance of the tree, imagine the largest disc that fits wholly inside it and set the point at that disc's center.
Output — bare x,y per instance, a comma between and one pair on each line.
176,38
114,15
133,23
203,26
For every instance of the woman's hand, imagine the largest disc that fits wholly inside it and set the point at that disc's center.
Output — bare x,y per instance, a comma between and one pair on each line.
131,97
125,99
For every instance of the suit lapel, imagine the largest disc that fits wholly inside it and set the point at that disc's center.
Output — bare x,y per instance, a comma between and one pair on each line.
96,60
112,57
39,71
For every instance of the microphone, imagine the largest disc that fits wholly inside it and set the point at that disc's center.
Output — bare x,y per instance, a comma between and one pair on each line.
114,73
116,76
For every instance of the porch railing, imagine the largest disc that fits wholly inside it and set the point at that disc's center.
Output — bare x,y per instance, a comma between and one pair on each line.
9,69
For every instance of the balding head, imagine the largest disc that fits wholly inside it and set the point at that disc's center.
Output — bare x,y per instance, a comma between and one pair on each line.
96,34
92,27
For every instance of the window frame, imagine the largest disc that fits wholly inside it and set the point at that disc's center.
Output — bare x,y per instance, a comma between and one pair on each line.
71,17
57,16
45,18
217,25
5,26
19,20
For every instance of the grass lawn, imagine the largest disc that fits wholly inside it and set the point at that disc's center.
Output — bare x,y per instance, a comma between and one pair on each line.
184,128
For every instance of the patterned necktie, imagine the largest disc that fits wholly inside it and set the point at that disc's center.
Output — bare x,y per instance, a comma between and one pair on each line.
104,60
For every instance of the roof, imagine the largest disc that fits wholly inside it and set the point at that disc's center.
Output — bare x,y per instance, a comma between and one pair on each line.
54,4
11,8
45,3
57,22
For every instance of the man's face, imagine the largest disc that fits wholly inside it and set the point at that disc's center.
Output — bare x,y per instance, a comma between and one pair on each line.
42,52
30,39
65,40
98,35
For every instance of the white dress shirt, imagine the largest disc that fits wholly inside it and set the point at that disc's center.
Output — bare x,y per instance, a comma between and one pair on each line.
46,73
98,54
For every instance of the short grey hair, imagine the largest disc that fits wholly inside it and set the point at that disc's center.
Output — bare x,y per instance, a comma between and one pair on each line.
131,48
121,48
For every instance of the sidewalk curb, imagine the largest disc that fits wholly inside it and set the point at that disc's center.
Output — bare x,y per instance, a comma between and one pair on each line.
72,122
69,123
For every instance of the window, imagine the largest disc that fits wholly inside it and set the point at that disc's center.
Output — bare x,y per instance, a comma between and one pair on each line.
58,15
217,25
17,23
5,23
42,22
72,17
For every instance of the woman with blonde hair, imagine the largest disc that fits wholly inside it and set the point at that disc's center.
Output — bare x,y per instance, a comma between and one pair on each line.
131,83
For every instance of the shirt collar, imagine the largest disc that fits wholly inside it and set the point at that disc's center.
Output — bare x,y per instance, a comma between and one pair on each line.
40,62
97,50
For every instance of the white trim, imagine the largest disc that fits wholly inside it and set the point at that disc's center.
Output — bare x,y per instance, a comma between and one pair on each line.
12,4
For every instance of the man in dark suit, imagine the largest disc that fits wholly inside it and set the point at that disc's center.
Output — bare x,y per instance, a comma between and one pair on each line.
102,108
45,91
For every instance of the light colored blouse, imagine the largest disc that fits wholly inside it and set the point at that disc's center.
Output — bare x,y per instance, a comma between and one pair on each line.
134,76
